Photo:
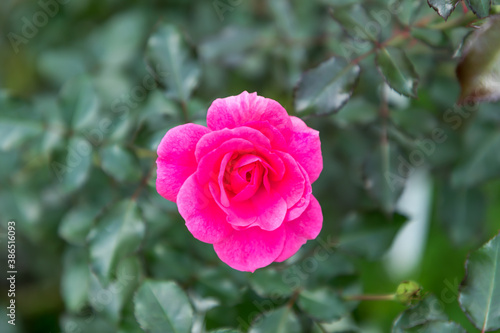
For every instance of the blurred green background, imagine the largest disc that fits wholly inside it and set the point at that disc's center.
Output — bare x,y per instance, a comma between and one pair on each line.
79,84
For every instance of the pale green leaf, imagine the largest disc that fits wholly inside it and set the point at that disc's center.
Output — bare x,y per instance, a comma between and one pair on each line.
117,235
398,71
163,307
480,291
443,7
326,88
168,57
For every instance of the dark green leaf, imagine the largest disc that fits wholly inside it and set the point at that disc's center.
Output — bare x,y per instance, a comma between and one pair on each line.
281,320
231,41
437,327
480,291
111,300
120,163
326,88
479,69
344,325
425,311
112,47
322,304
480,7
269,282
16,122
118,234
462,211
129,324
385,175
398,71
75,171
168,57
443,7
163,307
76,224
481,164
90,323
79,103
75,279
352,20
369,235
216,283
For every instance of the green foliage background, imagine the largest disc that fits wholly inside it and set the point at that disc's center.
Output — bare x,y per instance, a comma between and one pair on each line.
87,94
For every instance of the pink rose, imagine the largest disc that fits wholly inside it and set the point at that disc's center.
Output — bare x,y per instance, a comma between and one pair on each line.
244,183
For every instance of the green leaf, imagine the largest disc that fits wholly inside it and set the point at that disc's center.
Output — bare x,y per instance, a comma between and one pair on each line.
129,324
398,71
230,41
76,169
281,320
224,330
462,211
480,7
120,163
93,323
168,57
112,299
217,283
481,163
479,69
118,234
369,235
16,122
437,327
79,103
163,307
322,304
480,291
111,46
75,279
427,310
326,88
443,7
345,325
269,282
382,175
76,224
352,20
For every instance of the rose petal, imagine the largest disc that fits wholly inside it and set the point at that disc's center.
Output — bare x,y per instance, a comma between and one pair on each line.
209,165
252,248
277,140
298,231
238,110
299,207
291,186
214,139
176,160
305,147
204,219
266,209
